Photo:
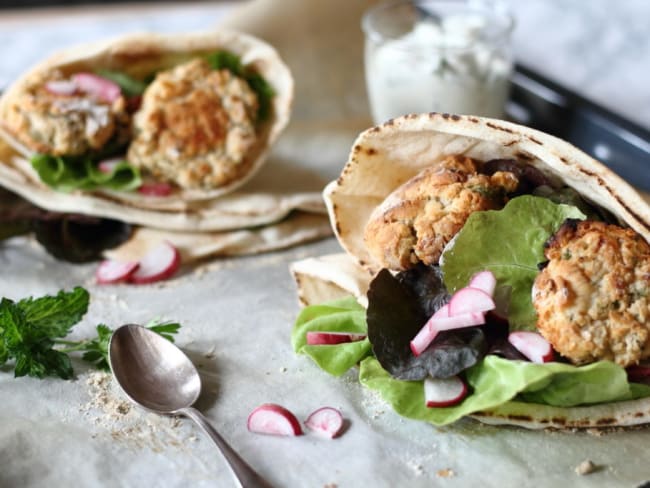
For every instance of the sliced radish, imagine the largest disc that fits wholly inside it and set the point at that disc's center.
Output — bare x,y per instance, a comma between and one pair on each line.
427,334
484,280
456,321
444,392
422,340
467,300
273,419
108,165
532,345
326,421
61,87
98,87
159,263
110,271
156,189
317,338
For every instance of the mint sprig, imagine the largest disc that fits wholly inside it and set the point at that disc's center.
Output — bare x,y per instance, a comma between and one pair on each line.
32,333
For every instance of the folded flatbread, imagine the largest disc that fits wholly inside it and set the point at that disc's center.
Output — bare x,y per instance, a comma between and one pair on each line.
385,157
186,209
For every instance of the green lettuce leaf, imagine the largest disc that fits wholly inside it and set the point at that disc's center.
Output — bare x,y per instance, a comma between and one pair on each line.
344,315
496,381
508,242
129,86
68,174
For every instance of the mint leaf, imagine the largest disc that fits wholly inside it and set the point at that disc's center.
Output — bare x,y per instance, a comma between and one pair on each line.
29,343
41,360
54,316
508,242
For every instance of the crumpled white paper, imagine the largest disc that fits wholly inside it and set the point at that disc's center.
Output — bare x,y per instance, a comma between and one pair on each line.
237,315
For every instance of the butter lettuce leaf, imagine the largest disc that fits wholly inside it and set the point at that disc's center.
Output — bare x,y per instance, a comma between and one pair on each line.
496,381
508,242
68,174
344,315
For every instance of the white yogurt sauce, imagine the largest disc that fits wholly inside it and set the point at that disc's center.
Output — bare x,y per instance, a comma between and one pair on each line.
438,67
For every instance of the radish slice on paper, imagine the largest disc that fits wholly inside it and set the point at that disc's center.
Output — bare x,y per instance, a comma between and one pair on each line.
484,280
155,189
444,392
110,271
467,300
61,87
273,419
99,87
317,338
326,421
158,264
532,345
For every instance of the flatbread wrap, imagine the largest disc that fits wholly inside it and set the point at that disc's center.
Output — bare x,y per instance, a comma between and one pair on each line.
429,205
151,129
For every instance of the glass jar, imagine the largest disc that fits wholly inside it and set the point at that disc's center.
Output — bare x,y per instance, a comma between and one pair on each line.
449,56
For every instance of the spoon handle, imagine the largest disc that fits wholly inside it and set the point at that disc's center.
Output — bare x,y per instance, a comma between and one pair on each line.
247,476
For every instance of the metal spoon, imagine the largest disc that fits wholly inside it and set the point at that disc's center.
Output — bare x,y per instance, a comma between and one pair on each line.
158,376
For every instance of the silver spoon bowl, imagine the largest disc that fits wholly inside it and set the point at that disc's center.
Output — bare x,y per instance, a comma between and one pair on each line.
159,377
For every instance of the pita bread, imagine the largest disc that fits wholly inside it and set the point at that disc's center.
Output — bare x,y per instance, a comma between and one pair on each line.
384,157
193,210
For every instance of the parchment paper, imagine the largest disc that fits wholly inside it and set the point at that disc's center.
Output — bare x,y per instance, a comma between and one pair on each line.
237,314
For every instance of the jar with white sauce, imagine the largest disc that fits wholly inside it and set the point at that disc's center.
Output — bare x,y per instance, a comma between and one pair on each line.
449,56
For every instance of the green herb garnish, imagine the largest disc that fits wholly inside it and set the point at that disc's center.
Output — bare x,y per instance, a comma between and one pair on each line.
129,86
32,328
264,91
67,174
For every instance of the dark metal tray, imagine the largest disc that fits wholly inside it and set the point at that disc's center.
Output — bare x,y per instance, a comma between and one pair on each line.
618,143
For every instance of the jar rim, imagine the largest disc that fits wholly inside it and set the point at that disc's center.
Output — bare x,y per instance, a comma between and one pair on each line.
493,10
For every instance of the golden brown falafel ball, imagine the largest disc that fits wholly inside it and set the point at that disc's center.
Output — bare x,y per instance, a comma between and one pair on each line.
417,220
65,125
195,126
593,297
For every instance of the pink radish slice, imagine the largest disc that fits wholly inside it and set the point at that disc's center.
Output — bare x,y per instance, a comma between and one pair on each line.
467,300
108,165
484,280
532,345
153,189
158,264
110,271
98,87
422,340
316,338
326,421
273,419
61,87
426,335
458,321
444,392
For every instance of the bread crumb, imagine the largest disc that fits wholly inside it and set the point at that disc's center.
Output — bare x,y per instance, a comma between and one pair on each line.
586,467
445,473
